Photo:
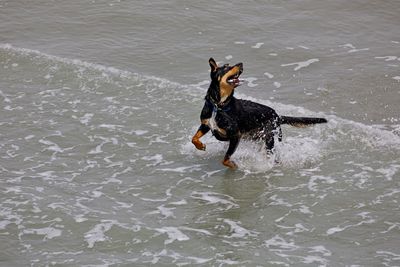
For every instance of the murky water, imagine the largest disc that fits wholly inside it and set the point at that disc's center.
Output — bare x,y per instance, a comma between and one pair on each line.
99,101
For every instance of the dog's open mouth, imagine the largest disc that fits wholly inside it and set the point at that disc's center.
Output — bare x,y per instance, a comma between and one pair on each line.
234,79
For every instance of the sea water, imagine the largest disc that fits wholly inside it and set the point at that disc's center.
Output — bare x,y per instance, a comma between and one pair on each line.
99,101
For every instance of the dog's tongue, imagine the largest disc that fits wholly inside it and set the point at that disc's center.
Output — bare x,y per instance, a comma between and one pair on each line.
236,81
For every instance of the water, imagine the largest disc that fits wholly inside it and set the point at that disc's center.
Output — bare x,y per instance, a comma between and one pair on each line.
99,100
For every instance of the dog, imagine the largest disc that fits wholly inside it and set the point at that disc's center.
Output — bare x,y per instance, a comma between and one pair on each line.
231,119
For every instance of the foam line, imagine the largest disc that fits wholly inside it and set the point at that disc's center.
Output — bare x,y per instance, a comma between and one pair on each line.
375,135
80,63
75,62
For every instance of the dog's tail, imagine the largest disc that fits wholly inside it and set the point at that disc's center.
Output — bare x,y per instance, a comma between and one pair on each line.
301,121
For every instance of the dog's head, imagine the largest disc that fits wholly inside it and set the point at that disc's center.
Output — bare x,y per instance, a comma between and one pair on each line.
224,79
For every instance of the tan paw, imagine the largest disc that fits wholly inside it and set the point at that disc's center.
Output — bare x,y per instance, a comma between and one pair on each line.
230,164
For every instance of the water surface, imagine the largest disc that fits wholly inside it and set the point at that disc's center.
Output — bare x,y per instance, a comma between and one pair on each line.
99,101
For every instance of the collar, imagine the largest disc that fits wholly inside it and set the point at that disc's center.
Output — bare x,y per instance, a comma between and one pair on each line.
224,106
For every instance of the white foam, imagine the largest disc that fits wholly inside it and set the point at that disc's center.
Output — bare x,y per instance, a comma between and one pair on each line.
279,243
352,48
5,98
250,81
51,146
106,71
229,262
173,233
47,232
302,64
201,231
215,198
98,232
305,210
179,203
4,223
334,230
291,152
269,75
389,58
85,119
155,159
257,45
314,259
357,50
238,231
110,126
390,171
348,46
304,47
28,137
98,149
388,254
9,108
277,84
105,140
197,260
75,62
338,229
252,157
182,169
140,132
313,182
389,193
321,249
164,211
79,218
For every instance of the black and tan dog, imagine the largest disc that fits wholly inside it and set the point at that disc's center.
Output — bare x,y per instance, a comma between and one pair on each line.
231,119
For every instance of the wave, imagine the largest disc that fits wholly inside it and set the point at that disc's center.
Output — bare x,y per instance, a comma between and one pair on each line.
78,63
35,54
300,147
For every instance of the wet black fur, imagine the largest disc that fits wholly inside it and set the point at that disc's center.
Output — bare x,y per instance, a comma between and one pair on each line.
242,118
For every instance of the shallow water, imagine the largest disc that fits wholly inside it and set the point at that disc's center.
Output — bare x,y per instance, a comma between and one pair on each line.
99,101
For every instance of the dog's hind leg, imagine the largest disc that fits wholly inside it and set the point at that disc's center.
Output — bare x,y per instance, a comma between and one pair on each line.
269,143
279,132
270,139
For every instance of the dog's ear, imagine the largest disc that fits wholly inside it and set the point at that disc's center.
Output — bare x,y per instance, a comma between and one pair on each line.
213,64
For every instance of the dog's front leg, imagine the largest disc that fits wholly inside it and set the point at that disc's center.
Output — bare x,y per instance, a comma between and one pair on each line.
203,129
233,144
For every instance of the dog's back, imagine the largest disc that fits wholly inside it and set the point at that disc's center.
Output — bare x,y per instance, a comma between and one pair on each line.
252,116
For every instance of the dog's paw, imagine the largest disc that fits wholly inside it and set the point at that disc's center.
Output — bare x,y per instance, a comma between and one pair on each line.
200,146
230,164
